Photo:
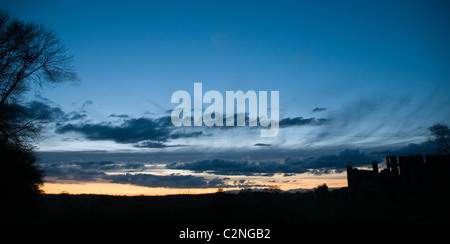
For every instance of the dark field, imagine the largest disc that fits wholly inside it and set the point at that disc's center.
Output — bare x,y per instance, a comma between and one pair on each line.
221,208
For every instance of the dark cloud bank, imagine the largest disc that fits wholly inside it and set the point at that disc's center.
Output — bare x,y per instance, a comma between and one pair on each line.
317,165
159,130
124,173
172,181
143,132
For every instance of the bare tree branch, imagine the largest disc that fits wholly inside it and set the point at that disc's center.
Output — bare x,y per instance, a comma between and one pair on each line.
29,52
440,136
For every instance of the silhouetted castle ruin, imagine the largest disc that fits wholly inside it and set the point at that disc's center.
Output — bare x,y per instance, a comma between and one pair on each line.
411,173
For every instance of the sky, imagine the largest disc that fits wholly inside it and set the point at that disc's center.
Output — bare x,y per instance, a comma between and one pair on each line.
357,80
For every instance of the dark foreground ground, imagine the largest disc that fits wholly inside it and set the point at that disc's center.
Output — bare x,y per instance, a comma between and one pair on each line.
222,208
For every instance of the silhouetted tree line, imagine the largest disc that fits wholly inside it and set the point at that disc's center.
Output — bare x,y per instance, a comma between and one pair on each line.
29,54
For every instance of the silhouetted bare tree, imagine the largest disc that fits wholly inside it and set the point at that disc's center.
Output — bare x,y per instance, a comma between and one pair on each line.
440,137
29,53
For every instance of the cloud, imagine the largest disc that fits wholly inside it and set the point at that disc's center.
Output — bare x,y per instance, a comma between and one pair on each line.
225,167
123,116
411,149
172,180
337,162
151,144
316,165
262,145
283,123
87,103
43,112
230,167
86,170
319,109
186,134
143,132
71,171
300,121
130,131
74,115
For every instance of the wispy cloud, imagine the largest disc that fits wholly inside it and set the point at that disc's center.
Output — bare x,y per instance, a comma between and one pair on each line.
371,119
319,109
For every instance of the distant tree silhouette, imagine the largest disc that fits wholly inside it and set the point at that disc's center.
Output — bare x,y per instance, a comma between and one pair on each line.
273,189
29,53
321,189
440,137
321,192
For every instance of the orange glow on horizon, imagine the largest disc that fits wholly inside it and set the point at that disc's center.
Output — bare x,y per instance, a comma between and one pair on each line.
305,181
118,189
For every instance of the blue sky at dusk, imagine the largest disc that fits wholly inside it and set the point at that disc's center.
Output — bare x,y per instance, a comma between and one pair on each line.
357,80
